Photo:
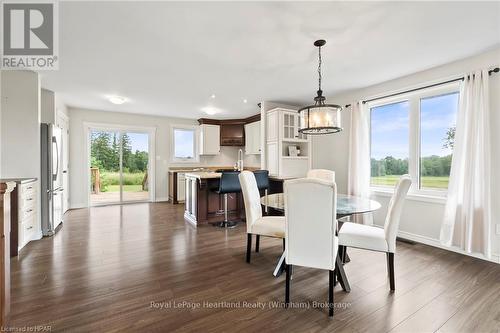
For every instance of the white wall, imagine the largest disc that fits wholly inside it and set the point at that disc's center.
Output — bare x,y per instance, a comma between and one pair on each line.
48,106
421,221
1,107
20,124
20,127
61,107
78,163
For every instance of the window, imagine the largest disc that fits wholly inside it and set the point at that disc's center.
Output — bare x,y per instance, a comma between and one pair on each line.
437,134
389,142
184,144
414,134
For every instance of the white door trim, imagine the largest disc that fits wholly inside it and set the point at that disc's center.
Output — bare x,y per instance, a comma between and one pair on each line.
62,121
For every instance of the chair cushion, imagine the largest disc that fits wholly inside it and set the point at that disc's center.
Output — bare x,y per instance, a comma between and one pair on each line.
362,236
273,226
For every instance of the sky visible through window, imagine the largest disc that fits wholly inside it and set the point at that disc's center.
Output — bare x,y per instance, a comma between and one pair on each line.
138,141
390,143
437,115
390,125
184,143
389,130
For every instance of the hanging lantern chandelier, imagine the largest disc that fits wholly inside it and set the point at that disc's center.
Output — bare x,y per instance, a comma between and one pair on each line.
320,118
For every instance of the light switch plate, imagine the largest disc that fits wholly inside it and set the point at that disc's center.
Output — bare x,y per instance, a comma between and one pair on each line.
498,229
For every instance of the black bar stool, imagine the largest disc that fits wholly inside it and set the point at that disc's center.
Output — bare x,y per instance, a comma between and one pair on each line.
229,183
262,178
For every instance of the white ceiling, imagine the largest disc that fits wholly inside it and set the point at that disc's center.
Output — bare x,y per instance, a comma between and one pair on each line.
168,58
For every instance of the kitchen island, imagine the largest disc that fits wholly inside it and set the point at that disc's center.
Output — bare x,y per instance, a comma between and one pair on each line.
203,205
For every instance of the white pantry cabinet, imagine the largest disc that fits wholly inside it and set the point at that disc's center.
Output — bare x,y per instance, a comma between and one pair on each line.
209,139
252,138
272,129
290,125
288,151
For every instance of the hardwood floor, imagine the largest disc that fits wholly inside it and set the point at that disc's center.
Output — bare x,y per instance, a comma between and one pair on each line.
111,269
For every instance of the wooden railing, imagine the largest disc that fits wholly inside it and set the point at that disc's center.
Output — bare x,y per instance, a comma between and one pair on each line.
145,181
95,177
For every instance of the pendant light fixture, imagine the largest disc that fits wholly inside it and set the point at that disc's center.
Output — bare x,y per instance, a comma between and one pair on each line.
320,118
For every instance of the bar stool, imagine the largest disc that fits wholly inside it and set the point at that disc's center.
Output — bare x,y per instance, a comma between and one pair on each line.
229,183
262,178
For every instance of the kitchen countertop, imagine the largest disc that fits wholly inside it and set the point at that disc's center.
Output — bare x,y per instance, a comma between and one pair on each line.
283,178
213,175
203,175
18,180
206,169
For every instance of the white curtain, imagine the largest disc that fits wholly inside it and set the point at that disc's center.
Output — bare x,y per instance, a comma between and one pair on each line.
467,219
359,157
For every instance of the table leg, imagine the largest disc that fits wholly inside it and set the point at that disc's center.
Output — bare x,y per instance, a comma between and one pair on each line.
345,257
280,266
342,277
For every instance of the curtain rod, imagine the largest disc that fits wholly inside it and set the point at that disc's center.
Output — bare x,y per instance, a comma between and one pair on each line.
491,71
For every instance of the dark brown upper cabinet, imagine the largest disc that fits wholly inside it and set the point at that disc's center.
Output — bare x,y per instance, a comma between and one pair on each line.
232,131
232,134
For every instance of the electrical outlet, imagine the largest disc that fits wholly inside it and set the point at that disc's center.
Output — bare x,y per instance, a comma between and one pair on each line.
498,229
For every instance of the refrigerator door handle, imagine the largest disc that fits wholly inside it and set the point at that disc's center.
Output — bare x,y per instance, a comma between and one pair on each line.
54,176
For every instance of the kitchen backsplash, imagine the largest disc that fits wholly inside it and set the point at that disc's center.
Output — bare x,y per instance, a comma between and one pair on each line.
228,156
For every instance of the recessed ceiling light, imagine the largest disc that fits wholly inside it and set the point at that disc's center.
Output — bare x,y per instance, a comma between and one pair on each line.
245,100
213,96
210,110
117,99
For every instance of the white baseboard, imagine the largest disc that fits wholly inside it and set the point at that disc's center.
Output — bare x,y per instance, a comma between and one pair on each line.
84,205
495,257
37,236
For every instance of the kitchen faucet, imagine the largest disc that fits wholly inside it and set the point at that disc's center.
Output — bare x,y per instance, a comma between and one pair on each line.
240,160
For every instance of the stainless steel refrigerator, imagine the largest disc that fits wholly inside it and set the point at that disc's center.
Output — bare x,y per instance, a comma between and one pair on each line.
51,178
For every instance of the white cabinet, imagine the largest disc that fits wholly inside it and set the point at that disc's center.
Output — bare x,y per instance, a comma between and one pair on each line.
27,213
272,129
282,140
290,127
190,202
181,187
272,158
209,139
252,138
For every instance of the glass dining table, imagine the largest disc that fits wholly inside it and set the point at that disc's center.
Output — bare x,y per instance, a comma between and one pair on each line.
347,205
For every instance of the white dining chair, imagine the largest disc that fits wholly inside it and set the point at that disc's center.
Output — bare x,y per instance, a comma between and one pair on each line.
310,212
324,174
379,239
270,226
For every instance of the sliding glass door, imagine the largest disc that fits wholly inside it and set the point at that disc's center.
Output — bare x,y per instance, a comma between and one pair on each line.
119,165
135,165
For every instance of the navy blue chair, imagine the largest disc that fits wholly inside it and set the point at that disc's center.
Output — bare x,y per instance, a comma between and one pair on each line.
229,183
262,178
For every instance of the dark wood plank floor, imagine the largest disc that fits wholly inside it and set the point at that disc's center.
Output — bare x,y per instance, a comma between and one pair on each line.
109,269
